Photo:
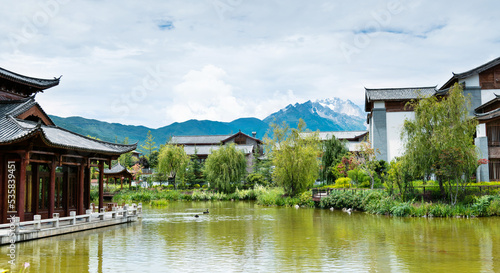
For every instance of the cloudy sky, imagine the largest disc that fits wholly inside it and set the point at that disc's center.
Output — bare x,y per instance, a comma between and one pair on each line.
156,62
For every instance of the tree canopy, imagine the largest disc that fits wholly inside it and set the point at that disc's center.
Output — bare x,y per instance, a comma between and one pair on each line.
225,168
294,156
172,160
333,151
149,145
439,141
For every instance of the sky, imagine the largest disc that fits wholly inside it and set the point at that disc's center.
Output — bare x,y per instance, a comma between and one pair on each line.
156,62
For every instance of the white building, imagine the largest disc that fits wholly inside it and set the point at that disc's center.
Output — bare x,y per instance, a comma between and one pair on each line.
387,111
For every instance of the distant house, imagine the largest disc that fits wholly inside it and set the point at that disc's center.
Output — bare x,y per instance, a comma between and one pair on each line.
387,112
353,138
202,146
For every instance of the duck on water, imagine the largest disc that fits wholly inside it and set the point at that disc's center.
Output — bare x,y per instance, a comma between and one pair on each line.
205,212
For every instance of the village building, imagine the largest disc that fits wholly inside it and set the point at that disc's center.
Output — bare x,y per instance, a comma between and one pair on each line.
202,146
353,138
44,169
387,111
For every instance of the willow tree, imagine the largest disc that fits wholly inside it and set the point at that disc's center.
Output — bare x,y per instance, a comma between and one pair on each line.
294,156
172,160
225,168
333,151
439,141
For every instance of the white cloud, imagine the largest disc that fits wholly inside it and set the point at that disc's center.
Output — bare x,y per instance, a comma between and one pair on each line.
203,94
242,61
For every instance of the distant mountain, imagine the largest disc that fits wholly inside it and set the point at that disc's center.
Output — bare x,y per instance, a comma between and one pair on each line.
324,115
343,107
115,132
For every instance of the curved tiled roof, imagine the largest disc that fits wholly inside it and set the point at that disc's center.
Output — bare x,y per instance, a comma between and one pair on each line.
210,139
30,81
471,72
207,149
15,130
387,94
116,169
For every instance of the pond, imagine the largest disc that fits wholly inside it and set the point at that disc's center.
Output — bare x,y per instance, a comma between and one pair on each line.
245,237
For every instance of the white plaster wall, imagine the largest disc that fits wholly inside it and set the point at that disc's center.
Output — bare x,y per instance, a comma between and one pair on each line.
379,104
481,130
395,122
488,94
371,129
471,81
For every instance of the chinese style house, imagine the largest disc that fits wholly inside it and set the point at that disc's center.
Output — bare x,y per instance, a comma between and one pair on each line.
44,169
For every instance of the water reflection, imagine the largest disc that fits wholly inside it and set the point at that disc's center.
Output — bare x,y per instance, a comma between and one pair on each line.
243,237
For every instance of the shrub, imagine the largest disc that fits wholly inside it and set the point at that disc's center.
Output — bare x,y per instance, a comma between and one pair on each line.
402,209
343,182
256,178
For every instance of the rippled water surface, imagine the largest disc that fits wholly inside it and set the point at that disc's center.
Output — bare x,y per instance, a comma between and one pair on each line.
244,237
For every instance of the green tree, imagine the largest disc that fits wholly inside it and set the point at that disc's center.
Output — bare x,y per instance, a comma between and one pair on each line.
261,173
439,140
149,145
397,179
172,161
333,151
194,170
225,167
126,159
368,163
153,159
294,156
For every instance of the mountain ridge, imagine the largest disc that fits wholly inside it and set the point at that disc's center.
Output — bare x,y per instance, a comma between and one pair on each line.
318,115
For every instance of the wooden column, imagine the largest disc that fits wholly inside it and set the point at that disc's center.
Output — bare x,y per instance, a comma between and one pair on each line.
52,188
36,187
121,183
101,185
87,186
21,192
81,190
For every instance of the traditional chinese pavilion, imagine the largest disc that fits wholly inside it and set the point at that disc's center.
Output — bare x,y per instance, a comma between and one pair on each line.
44,169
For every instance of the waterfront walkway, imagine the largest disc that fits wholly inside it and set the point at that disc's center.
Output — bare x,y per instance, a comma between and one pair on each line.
30,230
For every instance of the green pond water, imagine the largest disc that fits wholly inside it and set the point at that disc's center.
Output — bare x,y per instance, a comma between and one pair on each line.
245,237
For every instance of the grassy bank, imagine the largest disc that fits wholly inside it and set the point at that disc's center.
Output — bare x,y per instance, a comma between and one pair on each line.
266,196
379,202
371,201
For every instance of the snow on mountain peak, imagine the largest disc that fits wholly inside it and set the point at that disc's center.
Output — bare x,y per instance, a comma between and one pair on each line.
340,106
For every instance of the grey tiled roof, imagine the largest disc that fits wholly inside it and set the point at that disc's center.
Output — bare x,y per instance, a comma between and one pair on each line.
118,168
15,108
388,94
11,131
207,149
14,130
471,72
211,139
66,139
35,82
398,93
342,134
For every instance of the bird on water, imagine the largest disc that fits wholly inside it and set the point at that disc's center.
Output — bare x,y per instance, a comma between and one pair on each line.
206,212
